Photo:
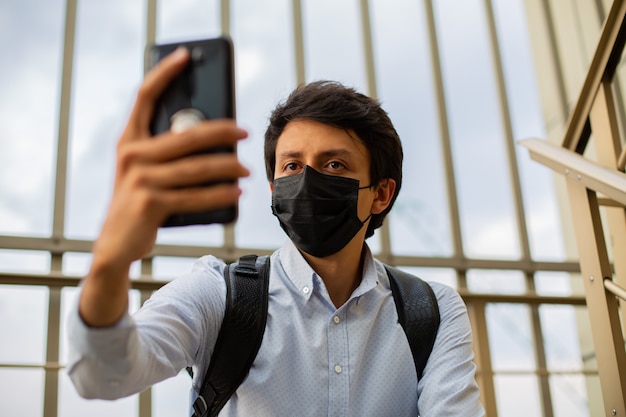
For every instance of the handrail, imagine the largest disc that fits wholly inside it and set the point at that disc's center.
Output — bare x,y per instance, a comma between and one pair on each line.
615,289
603,65
596,177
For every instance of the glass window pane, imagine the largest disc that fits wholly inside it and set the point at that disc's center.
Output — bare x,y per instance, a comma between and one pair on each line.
22,392
510,339
108,67
441,275
542,216
208,235
265,70
24,261
560,337
72,405
78,264
333,42
171,397
23,316
585,340
167,268
517,395
496,281
594,396
569,396
482,175
553,283
29,107
187,19
419,220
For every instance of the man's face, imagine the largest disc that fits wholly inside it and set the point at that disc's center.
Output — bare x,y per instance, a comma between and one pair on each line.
328,150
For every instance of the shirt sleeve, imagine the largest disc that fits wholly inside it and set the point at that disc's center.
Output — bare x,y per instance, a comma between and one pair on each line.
448,386
155,343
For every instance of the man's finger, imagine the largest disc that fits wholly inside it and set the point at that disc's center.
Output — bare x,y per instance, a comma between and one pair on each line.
169,146
154,83
187,200
191,171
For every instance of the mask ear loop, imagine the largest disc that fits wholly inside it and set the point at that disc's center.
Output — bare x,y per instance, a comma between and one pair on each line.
370,216
366,219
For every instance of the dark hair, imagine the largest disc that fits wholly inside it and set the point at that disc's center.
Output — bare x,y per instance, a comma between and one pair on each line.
335,105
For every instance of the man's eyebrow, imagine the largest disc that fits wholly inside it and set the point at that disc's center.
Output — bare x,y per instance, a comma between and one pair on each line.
325,154
336,152
290,154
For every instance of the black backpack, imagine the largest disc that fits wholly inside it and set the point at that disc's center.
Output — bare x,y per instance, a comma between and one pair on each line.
239,339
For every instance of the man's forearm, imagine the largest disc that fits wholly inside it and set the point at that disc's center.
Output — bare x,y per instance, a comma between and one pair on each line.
104,297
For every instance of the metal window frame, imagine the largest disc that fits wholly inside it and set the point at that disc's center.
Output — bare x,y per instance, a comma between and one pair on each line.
57,245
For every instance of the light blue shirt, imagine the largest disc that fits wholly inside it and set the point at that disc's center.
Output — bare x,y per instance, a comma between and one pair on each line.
315,359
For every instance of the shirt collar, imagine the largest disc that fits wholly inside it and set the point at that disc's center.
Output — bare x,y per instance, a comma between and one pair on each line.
300,273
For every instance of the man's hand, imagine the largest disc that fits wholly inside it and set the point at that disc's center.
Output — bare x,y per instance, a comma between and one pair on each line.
155,178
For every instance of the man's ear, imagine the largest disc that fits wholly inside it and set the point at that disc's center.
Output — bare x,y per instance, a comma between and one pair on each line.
385,191
272,186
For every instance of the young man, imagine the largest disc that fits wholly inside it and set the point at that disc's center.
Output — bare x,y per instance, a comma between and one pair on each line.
332,343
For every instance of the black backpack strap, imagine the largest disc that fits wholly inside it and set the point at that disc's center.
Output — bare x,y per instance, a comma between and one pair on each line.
418,313
239,339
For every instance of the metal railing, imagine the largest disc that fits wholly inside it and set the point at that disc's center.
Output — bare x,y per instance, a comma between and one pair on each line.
595,119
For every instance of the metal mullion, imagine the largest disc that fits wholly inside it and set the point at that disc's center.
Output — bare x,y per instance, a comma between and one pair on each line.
541,361
145,397
368,49
51,388
385,254
61,246
151,19
298,41
225,22
444,132
482,359
58,221
225,16
51,384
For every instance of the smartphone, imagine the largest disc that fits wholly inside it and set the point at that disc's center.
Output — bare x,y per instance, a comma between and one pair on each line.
205,89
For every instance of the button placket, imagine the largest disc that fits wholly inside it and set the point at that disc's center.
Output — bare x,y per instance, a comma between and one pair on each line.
338,364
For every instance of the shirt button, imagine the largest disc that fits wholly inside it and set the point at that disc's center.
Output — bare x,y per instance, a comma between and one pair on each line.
336,319
338,369
306,290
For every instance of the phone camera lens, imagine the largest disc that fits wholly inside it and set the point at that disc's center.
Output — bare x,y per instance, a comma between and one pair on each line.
197,54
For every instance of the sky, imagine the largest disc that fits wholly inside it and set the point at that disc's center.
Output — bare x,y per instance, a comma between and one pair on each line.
110,40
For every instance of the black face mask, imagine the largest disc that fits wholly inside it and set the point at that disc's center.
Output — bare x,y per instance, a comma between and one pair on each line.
317,211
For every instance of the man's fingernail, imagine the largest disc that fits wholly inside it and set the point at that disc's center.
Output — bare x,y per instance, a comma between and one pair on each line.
180,52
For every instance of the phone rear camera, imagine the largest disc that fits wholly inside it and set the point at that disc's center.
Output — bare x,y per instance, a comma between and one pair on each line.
197,54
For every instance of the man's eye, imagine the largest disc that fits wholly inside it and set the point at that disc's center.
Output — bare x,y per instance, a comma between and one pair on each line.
291,166
336,165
